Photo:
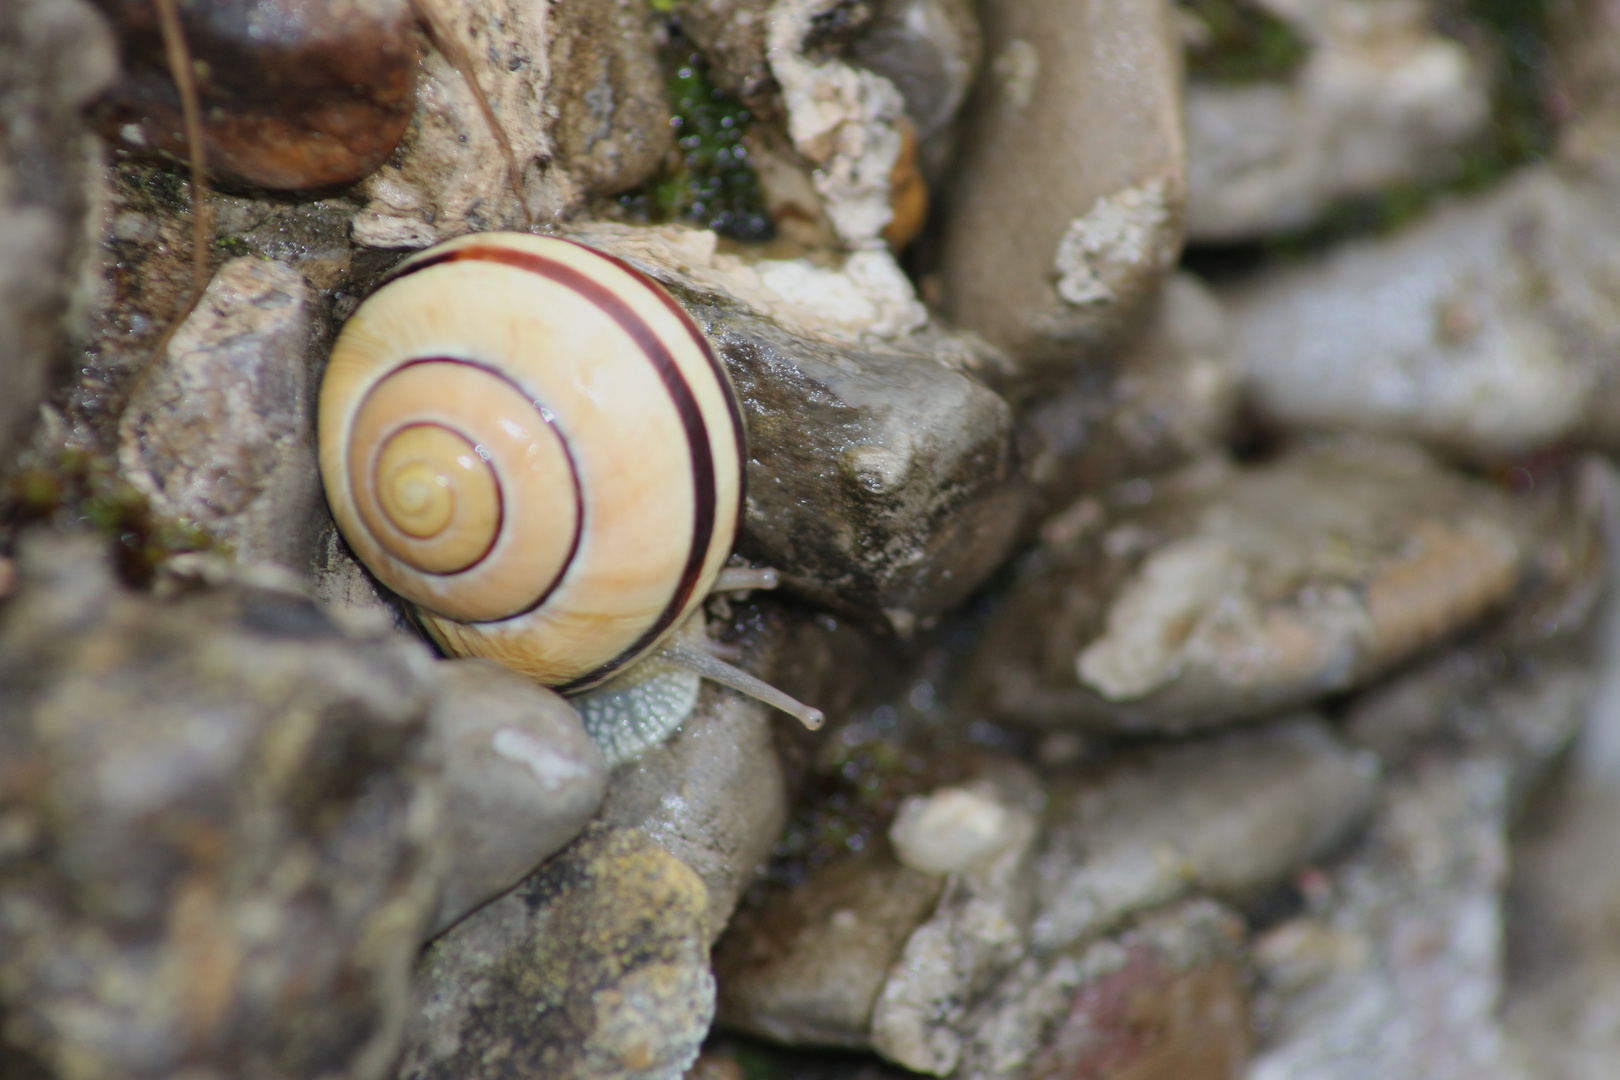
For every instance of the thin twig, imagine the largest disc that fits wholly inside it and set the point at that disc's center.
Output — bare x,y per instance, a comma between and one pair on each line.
448,44
178,55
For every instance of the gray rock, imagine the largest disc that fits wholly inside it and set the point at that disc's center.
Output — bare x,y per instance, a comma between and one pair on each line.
931,51
1230,815
521,780
1399,975
55,56
220,814
805,965
596,967
1229,592
1066,213
1487,329
1382,98
220,428
1584,39
1163,998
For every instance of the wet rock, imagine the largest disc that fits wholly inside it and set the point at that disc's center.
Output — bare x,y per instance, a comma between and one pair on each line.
930,50
880,480
55,55
983,835
220,815
1163,998
578,95
1169,400
712,796
521,780
1382,98
1232,592
596,967
805,966
1487,329
1399,974
219,430
291,96
1230,815
1067,204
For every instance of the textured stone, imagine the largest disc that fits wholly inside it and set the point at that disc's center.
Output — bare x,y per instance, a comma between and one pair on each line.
221,814
1489,328
1382,98
931,51
521,780
219,430
1065,214
1229,592
596,967
55,55
1232,815
1164,998
1584,42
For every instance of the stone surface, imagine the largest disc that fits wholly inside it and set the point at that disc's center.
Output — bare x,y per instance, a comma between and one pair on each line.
1584,39
1382,98
879,480
220,429
1398,975
1164,998
1229,592
1487,329
931,51
1065,213
1231,815
521,780
805,966
220,814
594,968
55,55
578,94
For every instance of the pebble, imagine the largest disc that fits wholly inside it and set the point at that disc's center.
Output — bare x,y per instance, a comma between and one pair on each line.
1234,591
1163,998
1382,99
1583,41
1067,198
931,51
220,814
1230,814
521,780
55,56
596,967
1484,329
219,429
951,830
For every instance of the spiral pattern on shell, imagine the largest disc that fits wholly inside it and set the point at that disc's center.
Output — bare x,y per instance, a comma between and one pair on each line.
535,445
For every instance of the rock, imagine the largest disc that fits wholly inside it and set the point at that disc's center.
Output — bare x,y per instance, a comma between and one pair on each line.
348,591
1170,399
805,966
712,796
521,780
1164,998
1487,329
1584,37
220,429
879,480
930,50
984,836
596,967
1066,209
579,97
293,97
1231,815
220,815
55,55
1400,973
1230,592
1382,98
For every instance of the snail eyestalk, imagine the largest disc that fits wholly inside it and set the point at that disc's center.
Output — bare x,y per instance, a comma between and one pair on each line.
738,578
714,669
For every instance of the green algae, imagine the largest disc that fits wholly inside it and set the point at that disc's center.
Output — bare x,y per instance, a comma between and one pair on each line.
1241,42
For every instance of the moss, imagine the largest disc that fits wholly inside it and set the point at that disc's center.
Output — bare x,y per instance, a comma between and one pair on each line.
233,245
1244,43
79,489
710,181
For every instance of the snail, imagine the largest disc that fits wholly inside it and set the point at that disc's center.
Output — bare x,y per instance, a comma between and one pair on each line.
536,446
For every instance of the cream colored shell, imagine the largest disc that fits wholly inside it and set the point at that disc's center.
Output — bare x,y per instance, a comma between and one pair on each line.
535,445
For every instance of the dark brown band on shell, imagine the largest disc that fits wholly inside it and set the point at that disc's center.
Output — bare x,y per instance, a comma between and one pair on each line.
686,406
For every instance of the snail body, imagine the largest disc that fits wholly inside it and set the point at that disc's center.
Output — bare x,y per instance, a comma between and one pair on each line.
537,447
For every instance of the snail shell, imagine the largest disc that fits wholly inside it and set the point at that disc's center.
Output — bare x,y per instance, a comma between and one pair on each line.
536,446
